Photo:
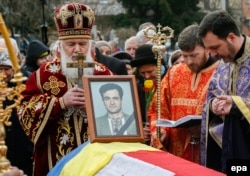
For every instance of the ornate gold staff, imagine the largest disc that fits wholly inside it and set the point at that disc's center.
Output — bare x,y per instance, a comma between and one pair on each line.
159,39
13,93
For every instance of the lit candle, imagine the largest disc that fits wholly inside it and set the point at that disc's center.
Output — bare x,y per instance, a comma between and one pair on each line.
5,35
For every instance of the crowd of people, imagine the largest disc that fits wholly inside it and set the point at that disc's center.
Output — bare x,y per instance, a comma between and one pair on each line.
208,76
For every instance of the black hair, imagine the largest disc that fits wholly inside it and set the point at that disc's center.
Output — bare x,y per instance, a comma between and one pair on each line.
110,86
219,23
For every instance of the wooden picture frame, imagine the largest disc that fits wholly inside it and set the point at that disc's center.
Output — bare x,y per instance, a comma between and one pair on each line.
101,127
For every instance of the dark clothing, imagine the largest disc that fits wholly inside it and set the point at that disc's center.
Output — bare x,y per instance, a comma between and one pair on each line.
27,70
236,138
20,148
115,65
142,98
214,151
36,50
142,95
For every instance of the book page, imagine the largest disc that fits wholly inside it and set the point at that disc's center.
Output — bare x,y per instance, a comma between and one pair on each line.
184,122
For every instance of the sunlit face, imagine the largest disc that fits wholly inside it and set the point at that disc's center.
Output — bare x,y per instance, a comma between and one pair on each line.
69,50
219,47
112,101
7,71
195,59
148,71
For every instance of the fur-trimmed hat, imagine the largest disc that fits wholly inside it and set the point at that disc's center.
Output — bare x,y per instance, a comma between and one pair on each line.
74,20
143,56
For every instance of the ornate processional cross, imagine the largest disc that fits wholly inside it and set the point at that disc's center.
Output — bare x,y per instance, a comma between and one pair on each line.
80,65
159,39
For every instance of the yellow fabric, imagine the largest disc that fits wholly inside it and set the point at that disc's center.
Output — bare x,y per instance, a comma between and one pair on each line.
46,53
95,156
242,106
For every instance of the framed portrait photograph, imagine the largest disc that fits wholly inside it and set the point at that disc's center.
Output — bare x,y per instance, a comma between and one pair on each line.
113,109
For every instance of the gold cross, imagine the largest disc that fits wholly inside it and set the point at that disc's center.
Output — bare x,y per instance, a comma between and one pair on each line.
80,65
160,38
159,27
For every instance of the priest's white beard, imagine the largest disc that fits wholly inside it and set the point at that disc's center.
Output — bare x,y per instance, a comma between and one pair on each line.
72,73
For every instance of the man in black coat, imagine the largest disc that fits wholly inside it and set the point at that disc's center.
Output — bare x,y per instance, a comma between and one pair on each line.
115,65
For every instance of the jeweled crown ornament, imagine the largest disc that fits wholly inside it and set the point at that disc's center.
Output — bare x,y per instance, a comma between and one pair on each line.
74,20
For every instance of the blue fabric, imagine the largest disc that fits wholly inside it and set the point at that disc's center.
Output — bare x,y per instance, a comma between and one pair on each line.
56,170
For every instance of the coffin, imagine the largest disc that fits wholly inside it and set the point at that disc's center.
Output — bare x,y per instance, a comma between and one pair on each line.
126,159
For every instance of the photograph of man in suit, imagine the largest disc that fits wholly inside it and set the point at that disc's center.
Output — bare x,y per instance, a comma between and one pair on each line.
114,121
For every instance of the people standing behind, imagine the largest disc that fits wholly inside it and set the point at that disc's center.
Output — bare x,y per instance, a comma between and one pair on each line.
23,45
146,25
176,57
20,148
142,38
148,28
225,124
131,45
37,53
114,121
117,66
53,109
104,47
126,58
15,47
114,46
146,65
183,92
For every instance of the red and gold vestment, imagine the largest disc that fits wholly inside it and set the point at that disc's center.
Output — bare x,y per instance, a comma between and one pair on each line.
182,93
54,129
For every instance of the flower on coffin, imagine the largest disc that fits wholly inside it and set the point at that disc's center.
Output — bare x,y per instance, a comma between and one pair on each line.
149,88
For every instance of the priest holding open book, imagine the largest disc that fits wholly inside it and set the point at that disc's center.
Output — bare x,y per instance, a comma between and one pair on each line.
183,92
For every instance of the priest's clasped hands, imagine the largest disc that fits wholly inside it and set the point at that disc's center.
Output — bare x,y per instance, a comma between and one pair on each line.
74,98
222,105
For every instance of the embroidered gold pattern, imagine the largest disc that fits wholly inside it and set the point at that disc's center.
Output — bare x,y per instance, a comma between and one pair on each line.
54,85
65,138
89,14
185,101
64,14
27,118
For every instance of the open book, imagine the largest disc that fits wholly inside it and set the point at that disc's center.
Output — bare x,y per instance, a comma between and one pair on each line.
183,122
